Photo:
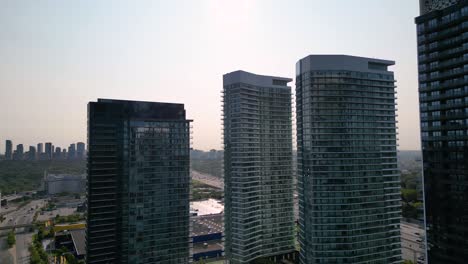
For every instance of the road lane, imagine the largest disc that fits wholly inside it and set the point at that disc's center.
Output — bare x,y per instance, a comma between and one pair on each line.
208,179
22,216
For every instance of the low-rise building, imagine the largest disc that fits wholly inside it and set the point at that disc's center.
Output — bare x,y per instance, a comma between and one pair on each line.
73,240
207,237
65,183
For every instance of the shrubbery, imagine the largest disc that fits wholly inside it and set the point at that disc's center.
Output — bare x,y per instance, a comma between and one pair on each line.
11,239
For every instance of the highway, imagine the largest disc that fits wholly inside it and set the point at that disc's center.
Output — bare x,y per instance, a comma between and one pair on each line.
412,242
208,179
22,216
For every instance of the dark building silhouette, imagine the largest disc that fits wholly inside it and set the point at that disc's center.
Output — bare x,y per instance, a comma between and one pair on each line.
8,150
259,218
58,153
442,30
32,153
40,148
19,153
72,151
348,177
48,150
138,182
80,150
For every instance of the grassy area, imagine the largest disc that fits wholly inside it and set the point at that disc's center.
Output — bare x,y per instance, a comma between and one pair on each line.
27,175
201,191
213,167
11,239
74,218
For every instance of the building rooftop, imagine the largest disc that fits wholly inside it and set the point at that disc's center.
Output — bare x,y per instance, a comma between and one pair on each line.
79,241
427,6
255,79
140,110
207,207
56,177
207,224
78,237
207,246
342,62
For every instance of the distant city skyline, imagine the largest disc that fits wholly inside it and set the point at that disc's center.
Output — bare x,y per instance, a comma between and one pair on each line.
57,56
38,152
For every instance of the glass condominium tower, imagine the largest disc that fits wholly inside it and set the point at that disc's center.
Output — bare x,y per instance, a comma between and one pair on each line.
138,183
258,178
348,178
442,30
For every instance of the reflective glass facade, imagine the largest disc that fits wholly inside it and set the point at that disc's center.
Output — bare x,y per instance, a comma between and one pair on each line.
348,179
443,99
138,183
259,219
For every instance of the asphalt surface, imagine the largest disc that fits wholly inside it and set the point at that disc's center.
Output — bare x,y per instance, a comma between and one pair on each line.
412,242
21,216
208,179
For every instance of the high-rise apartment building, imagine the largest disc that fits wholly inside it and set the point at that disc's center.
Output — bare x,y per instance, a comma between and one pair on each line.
348,178
72,151
19,153
8,150
80,150
40,148
58,153
138,183
259,219
32,153
48,150
443,96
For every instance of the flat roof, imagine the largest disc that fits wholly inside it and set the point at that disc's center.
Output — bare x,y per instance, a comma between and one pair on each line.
210,246
79,240
207,224
108,100
207,207
255,79
342,62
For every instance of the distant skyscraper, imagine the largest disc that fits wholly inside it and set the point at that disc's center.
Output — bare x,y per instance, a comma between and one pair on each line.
19,152
259,219
443,96
80,150
48,150
8,150
32,153
138,182
40,148
58,153
348,178
72,151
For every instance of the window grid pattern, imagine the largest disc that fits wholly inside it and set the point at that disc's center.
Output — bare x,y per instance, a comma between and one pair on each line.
348,179
138,183
443,97
259,218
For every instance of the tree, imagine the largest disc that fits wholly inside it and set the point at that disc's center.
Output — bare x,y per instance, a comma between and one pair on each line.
70,258
408,262
40,233
409,195
11,239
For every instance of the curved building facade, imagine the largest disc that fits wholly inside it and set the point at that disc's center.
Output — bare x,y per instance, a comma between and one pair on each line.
259,219
443,104
348,179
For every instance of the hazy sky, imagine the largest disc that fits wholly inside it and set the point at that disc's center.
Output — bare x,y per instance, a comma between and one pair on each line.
55,56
